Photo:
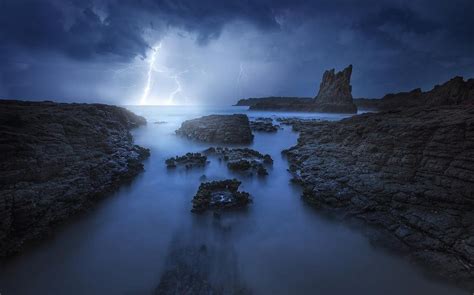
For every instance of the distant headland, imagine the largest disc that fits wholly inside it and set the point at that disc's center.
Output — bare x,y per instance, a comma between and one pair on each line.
335,96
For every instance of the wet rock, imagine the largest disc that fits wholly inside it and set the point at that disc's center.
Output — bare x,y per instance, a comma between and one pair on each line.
56,160
189,160
243,159
216,195
230,129
408,172
160,122
263,126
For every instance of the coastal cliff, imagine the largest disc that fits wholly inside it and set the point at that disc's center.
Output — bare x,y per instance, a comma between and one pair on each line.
456,91
57,159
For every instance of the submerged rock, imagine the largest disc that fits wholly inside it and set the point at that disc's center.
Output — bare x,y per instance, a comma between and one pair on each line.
216,195
189,160
409,172
230,129
56,160
242,159
202,269
187,272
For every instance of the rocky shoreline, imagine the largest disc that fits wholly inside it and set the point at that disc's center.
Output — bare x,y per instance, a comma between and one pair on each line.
408,172
57,159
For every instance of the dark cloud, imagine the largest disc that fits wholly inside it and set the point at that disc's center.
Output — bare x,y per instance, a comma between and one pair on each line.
394,44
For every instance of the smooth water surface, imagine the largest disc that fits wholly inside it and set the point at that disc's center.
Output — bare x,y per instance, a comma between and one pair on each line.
278,246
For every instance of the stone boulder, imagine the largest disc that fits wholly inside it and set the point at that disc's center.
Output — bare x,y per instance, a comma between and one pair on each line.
226,129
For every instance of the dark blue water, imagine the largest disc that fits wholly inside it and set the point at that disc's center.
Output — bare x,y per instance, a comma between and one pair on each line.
278,246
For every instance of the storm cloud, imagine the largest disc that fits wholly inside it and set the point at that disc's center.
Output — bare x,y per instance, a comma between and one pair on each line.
218,51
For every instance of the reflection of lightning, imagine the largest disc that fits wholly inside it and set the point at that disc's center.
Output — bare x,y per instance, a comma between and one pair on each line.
151,65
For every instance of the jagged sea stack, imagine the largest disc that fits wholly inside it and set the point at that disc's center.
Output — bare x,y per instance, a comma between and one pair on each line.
335,92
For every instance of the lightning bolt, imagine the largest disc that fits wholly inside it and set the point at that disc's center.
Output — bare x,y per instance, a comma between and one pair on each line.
151,65
178,89
239,79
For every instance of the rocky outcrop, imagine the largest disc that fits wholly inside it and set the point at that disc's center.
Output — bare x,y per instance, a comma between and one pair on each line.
453,92
218,195
410,173
189,160
227,129
335,92
58,159
263,125
243,160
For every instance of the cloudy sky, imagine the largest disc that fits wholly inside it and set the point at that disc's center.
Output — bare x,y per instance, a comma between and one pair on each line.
214,52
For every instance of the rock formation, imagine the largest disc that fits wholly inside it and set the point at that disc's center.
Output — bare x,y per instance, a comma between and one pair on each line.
409,172
58,159
335,92
230,129
263,125
189,160
243,160
218,195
